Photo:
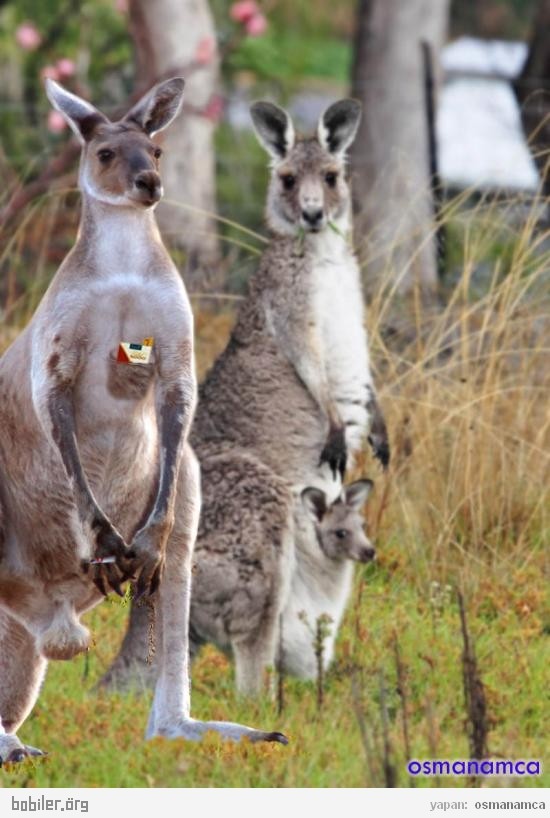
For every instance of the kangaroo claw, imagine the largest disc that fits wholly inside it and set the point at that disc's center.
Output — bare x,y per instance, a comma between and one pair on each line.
380,449
335,452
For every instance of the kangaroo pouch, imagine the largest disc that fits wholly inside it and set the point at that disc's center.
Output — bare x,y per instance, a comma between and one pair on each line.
128,381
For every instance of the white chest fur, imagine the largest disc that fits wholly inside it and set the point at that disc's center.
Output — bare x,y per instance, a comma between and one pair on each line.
339,314
320,588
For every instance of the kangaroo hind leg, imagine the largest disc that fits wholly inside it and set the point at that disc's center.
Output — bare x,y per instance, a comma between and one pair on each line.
170,715
22,672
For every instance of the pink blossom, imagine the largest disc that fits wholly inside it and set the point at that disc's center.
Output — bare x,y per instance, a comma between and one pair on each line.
50,72
243,11
65,67
256,25
214,108
206,50
56,122
28,37
121,6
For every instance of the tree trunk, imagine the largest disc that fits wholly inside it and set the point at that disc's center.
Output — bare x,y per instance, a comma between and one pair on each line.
167,34
390,157
533,92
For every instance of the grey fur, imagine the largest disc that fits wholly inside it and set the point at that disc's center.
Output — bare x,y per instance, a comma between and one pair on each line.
293,390
241,559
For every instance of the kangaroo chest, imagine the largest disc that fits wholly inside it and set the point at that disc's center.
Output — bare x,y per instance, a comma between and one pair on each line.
122,340
317,599
339,314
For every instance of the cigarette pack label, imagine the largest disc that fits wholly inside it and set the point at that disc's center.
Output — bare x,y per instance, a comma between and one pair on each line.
135,353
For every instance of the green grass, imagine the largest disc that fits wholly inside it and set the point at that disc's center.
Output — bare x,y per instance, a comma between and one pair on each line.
96,740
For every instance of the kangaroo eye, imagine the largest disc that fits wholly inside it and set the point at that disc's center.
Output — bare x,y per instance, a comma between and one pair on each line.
105,154
288,181
330,178
157,153
341,533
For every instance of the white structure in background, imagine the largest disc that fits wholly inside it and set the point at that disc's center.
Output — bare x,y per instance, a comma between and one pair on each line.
479,131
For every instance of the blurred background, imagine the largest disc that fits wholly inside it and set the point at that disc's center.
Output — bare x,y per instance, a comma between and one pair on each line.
450,182
456,99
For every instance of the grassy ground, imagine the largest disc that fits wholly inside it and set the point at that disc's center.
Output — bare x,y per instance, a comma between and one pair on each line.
463,506
96,740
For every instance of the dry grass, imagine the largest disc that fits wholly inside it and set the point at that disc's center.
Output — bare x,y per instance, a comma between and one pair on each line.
467,403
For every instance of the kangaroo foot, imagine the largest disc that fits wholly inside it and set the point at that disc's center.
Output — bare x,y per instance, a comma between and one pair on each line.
12,750
129,675
64,640
194,731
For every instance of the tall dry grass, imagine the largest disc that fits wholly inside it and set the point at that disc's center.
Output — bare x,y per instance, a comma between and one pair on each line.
466,395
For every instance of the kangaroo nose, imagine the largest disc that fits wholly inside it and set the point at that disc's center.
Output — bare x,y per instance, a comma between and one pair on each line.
148,183
367,554
312,216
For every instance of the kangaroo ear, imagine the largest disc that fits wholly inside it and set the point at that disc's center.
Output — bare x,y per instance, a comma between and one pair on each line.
315,502
338,125
156,110
274,128
355,495
81,115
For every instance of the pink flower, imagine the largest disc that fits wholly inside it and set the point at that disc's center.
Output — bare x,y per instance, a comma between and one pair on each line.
243,11
50,72
65,67
206,50
28,37
214,108
121,6
256,25
56,122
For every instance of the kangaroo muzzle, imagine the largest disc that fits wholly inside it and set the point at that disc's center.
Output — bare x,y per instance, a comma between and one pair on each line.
367,554
312,217
148,186
312,209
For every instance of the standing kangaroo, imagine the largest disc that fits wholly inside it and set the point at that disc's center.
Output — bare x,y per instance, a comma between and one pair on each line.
293,388
294,383
94,449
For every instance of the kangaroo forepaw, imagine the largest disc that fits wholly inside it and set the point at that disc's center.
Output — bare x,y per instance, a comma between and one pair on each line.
148,558
112,566
378,437
380,449
335,452
193,730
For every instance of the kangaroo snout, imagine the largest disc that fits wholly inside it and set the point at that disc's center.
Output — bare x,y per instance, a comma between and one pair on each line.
149,187
312,217
367,554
